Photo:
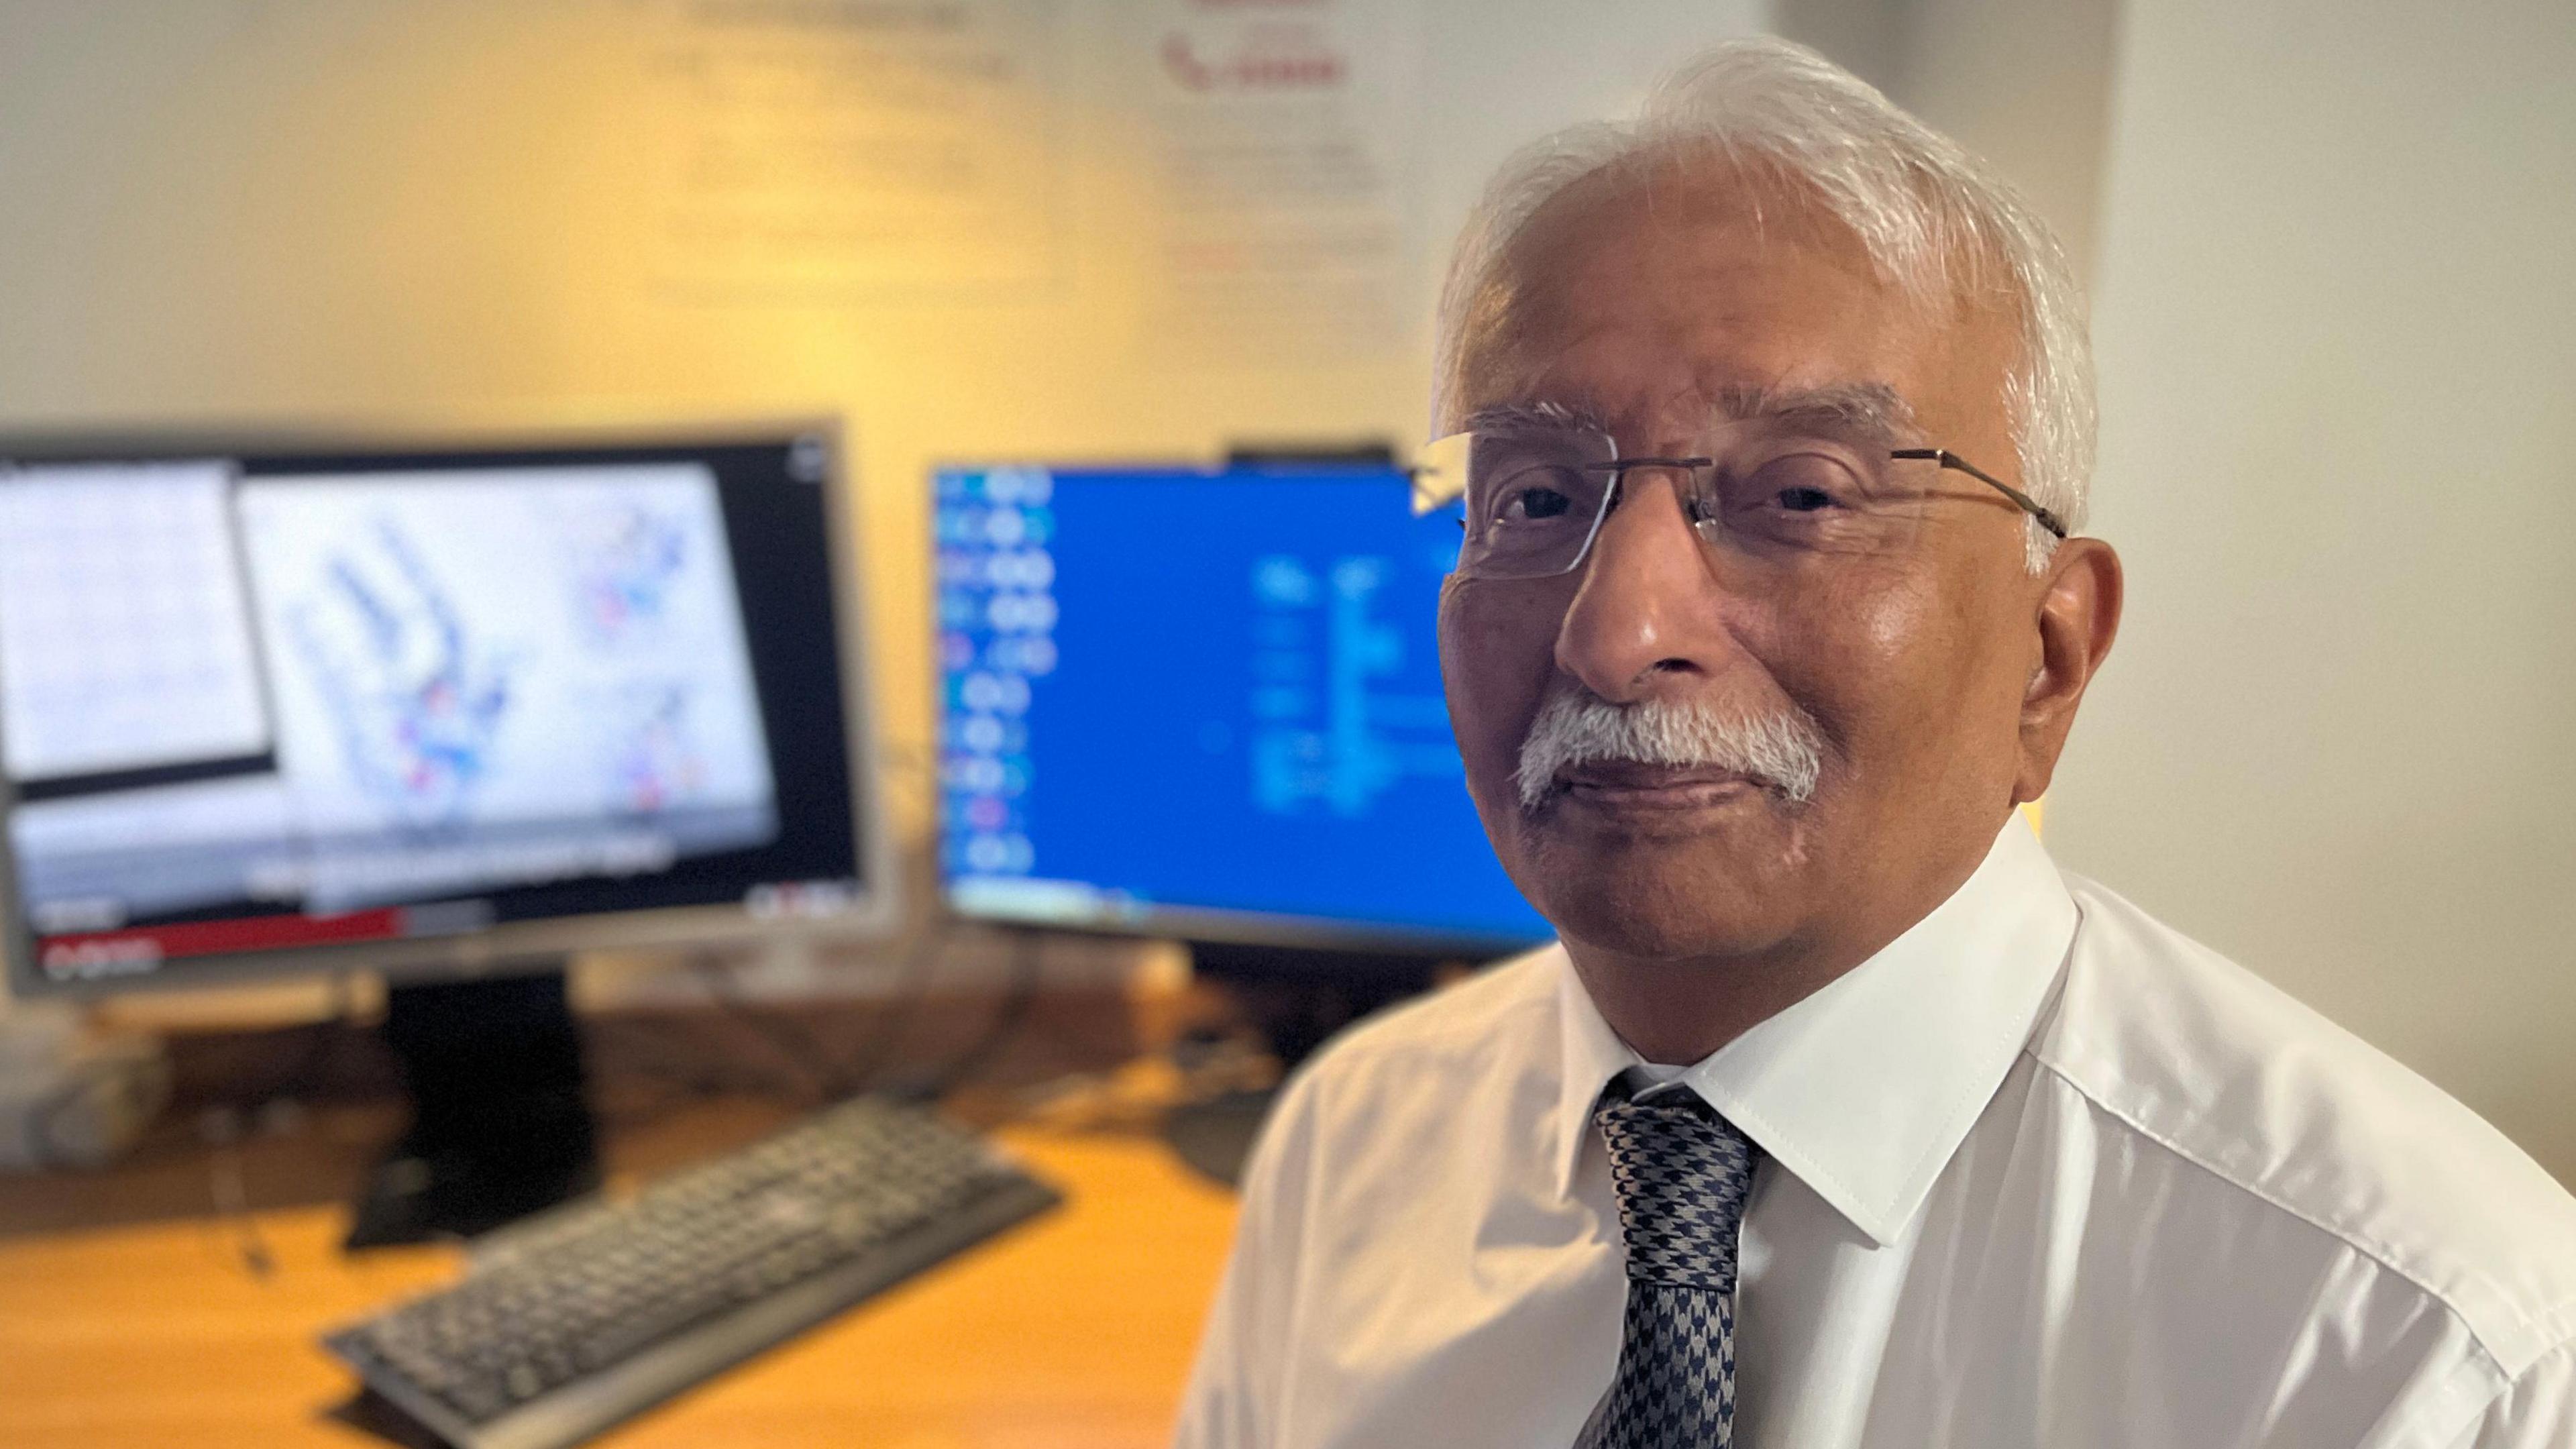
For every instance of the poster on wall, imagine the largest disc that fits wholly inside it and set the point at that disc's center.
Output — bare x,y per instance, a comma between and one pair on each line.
807,151
1282,156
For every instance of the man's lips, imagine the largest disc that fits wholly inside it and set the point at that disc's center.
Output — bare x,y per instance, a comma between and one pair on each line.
1629,783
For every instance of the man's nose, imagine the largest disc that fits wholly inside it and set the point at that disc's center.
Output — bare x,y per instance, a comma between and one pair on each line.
1649,609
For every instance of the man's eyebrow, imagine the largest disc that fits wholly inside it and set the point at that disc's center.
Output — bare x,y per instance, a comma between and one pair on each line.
1870,411
1536,415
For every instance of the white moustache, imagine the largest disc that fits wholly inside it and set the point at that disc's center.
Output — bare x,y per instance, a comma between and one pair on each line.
1782,752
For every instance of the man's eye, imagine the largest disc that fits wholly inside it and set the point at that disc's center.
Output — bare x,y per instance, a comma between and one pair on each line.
1536,503
1537,493
1803,483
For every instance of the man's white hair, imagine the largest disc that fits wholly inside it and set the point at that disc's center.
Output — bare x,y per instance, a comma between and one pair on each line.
1934,220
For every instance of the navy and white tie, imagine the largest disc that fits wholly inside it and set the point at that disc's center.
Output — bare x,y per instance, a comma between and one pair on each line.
1682,1173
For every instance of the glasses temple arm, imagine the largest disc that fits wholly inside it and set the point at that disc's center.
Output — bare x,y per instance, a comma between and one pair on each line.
1947,459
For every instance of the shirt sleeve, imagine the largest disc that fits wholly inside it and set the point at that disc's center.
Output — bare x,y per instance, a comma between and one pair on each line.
1235,1388
2536,1411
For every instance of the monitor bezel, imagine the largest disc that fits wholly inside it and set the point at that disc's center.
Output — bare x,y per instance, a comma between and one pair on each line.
1156,920
547,943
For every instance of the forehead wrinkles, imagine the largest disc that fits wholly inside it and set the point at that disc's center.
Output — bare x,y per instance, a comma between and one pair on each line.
1691,190
1599,253
1859,364
1771,370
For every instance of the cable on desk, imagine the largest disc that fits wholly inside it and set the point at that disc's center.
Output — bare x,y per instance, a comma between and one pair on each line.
789,1039
677,1060
921,965
221,1129
855,1071
832,1075
871,1057
1007,1019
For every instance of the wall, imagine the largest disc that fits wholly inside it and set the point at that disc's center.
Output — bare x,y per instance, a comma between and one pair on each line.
2336,321
2024,84
446,212
231,210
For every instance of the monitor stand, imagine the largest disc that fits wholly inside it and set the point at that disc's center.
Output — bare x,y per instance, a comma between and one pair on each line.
499,1127
1296,997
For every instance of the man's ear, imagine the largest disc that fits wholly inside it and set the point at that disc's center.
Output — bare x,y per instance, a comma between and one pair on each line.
2078,616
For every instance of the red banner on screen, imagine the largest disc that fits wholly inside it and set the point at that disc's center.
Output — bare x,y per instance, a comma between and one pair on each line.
102,953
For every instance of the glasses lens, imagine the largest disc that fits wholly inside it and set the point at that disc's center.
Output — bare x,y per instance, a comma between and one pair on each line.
1788,498
1533,499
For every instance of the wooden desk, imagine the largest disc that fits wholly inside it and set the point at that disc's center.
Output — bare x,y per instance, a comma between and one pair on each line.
1074,1330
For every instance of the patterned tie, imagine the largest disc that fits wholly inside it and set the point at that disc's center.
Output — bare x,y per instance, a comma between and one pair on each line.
1682,1173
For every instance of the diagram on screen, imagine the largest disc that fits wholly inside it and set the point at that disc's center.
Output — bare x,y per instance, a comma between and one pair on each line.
1333,730
655,761
480,653
415,701
626,560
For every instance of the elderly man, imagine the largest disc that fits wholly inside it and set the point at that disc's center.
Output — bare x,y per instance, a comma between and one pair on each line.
1840,1117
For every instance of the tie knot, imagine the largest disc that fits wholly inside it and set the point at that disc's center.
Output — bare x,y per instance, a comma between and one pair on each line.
1682,1173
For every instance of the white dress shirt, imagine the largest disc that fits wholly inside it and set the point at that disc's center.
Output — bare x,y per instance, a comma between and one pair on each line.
2040,1173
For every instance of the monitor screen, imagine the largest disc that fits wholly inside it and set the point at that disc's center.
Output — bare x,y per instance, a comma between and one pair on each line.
265,702
1206,704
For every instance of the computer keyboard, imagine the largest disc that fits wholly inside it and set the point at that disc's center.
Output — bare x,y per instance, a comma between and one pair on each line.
583,1316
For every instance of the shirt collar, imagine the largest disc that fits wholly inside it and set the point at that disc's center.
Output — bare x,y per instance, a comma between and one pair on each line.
1865,1089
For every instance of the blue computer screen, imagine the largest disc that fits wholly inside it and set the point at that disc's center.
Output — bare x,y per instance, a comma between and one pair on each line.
1175,697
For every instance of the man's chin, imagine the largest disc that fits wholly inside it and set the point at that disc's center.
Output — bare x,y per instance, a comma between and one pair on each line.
1665,935
1655,895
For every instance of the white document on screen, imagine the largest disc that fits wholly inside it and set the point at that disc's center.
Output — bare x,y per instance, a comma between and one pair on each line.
124,638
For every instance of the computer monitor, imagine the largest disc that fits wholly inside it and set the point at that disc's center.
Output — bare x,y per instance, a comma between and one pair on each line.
431,709
1206,703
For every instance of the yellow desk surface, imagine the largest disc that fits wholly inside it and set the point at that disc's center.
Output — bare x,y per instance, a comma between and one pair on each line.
1072,1331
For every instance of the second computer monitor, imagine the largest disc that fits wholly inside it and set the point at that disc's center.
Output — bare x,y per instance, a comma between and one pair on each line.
1207,703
